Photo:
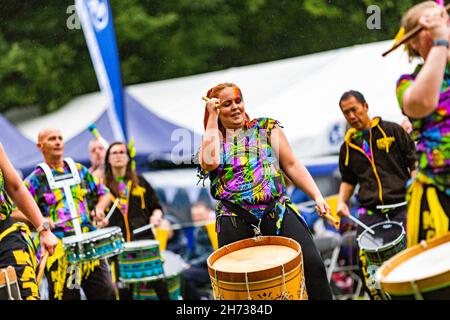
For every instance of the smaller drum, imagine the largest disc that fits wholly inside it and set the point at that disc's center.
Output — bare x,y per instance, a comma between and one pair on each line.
140,261
97,244
388,240
421,272
260,268
9,285
173,266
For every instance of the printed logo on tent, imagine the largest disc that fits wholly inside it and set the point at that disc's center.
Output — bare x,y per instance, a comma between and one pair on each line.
336,135
98,10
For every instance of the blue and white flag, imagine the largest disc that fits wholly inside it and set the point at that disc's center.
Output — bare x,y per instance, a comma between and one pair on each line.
97,22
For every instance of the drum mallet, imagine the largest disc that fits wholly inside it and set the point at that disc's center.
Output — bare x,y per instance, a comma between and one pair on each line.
328,216
42,267
361,224
218,106
111,211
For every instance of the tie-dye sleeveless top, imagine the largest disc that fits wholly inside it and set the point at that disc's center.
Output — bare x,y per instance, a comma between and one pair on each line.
6,205
432,135
249,174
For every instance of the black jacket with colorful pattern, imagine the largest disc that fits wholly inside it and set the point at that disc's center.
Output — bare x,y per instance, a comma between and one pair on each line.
382,178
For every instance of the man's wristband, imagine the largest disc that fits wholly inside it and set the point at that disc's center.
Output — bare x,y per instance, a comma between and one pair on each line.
441,42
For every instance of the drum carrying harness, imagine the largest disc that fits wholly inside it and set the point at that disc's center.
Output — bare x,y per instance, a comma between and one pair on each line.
65,181
250,218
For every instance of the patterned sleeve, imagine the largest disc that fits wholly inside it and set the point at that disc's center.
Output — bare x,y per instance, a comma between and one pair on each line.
95,188
32,184
268,124
403,83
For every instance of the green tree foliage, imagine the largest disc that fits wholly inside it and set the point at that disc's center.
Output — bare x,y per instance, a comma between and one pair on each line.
45,63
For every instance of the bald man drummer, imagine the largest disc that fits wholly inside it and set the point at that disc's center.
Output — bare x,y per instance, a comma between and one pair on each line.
76,207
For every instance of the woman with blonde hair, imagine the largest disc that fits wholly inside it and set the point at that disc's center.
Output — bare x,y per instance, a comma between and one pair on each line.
423,97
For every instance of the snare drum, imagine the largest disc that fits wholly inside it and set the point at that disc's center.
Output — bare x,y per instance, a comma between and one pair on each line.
140,261
261,268
9,285
97,244
173,266
420,272
388,240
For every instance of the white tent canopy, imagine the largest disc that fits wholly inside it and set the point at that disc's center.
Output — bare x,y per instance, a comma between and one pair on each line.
302,93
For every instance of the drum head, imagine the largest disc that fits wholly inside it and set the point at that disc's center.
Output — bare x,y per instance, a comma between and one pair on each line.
96,234
424,267
386,233
140,244
421,266
255,258
173,263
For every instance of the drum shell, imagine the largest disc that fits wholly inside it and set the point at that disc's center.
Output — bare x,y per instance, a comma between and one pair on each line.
13,284
436,287
97,246
379,255
141,291
139,264
264,284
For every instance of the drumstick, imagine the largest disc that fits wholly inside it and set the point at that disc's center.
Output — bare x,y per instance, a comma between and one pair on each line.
141,229
41,268
409,36
112,208
328,216
361,224
218,106
332,219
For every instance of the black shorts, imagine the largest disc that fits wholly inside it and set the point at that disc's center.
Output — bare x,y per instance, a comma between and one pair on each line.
17,250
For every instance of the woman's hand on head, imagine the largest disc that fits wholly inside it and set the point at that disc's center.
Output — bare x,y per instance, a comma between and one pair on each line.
213,106
436,24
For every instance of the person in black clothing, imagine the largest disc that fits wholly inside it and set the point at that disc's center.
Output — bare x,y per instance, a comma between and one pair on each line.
138,205
195,274
176,239
380,157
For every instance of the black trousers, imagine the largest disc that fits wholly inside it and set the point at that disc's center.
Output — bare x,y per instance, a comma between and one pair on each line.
98,285
194,278
293,227
16,252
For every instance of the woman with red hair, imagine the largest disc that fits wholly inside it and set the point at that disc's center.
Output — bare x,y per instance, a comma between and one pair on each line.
245,161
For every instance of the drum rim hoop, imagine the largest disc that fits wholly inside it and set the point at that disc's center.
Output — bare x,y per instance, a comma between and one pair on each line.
12,275
388,245
155,245
72,239
425,284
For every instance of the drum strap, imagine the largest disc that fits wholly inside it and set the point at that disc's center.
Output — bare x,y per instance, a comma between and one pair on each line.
65,181
248,217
